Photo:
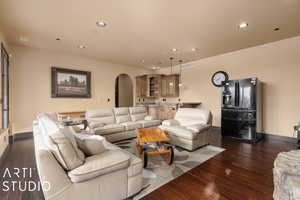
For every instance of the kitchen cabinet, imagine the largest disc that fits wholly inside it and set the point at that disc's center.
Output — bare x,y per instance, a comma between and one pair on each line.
153,111
156,85
166,113
141,86
170,85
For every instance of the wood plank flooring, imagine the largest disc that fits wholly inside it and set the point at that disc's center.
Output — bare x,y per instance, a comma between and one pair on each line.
243,171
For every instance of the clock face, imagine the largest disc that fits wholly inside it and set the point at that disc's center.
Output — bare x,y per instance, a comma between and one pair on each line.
218,78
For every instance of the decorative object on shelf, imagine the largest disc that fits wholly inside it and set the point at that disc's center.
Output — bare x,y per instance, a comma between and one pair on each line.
180,71
171,63
219,78
70,83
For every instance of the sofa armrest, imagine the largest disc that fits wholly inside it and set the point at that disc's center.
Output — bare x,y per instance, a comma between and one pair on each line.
53,177
170,122
100,164
149,118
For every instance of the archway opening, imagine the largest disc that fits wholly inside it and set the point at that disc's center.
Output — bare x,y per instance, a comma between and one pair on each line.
123,91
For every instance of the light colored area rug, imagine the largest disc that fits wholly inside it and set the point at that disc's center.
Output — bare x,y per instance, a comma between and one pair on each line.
159,173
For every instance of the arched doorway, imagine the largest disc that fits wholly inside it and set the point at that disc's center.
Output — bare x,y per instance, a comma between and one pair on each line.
123,91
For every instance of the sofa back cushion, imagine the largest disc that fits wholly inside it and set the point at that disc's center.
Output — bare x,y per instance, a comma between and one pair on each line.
137,113
192,116
122,115
61,142
66,154
105,116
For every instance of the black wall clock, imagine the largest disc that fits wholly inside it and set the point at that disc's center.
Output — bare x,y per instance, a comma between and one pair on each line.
218,78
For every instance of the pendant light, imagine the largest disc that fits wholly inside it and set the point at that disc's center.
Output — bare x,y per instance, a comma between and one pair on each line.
180,68
171,63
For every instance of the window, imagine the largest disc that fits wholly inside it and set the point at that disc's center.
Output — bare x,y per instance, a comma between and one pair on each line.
4,94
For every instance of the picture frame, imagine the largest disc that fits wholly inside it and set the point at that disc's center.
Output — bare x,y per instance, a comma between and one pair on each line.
69,83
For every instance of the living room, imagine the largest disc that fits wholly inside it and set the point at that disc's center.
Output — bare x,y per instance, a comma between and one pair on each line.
108,39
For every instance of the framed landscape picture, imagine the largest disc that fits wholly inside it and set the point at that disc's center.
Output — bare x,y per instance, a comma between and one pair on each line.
70,83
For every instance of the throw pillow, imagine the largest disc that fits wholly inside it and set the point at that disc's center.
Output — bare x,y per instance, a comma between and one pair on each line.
69,157
90,144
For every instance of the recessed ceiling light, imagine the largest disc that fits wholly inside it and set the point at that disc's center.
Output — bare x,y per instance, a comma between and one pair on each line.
194,49
23,39
276,29
81,46
101,23
243,25
155,68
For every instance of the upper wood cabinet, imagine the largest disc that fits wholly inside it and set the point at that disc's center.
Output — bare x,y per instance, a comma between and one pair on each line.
141,86
157,85
170,85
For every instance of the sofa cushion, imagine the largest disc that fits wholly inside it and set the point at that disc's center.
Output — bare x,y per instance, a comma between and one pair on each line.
95,124
100,164
146,123
136,164
122,114
132,125
105,116
90,144
198,127
137,113
191,116
66,153
180,131
61,141
137,110
170,122
138,117
109,129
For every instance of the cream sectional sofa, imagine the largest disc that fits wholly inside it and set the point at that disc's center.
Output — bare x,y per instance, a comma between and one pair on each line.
119,123
112,174
190,128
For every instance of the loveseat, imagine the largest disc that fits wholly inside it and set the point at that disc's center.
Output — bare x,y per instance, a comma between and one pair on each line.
69,171
119,123
190,128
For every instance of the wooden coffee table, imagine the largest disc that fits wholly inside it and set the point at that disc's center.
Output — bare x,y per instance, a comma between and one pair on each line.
152,141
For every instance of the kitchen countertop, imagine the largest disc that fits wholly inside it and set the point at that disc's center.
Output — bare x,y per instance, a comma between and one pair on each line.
169,104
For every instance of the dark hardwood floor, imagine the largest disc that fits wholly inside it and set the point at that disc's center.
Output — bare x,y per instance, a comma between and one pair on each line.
243,171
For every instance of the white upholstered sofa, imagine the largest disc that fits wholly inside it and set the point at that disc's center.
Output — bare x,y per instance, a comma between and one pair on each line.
65,172
189,128
119,123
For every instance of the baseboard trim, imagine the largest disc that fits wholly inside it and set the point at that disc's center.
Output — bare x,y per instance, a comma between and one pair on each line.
21,136
268,136
4,155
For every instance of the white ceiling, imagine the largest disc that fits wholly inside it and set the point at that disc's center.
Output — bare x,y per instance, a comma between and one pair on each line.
148,29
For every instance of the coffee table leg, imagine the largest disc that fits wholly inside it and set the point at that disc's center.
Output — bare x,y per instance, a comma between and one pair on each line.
169,157
145,158
139,148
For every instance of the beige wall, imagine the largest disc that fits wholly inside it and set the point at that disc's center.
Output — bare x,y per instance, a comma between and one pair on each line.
3,133
31,89
125,91
276,64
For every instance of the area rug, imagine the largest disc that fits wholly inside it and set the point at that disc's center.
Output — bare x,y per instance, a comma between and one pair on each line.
159,173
